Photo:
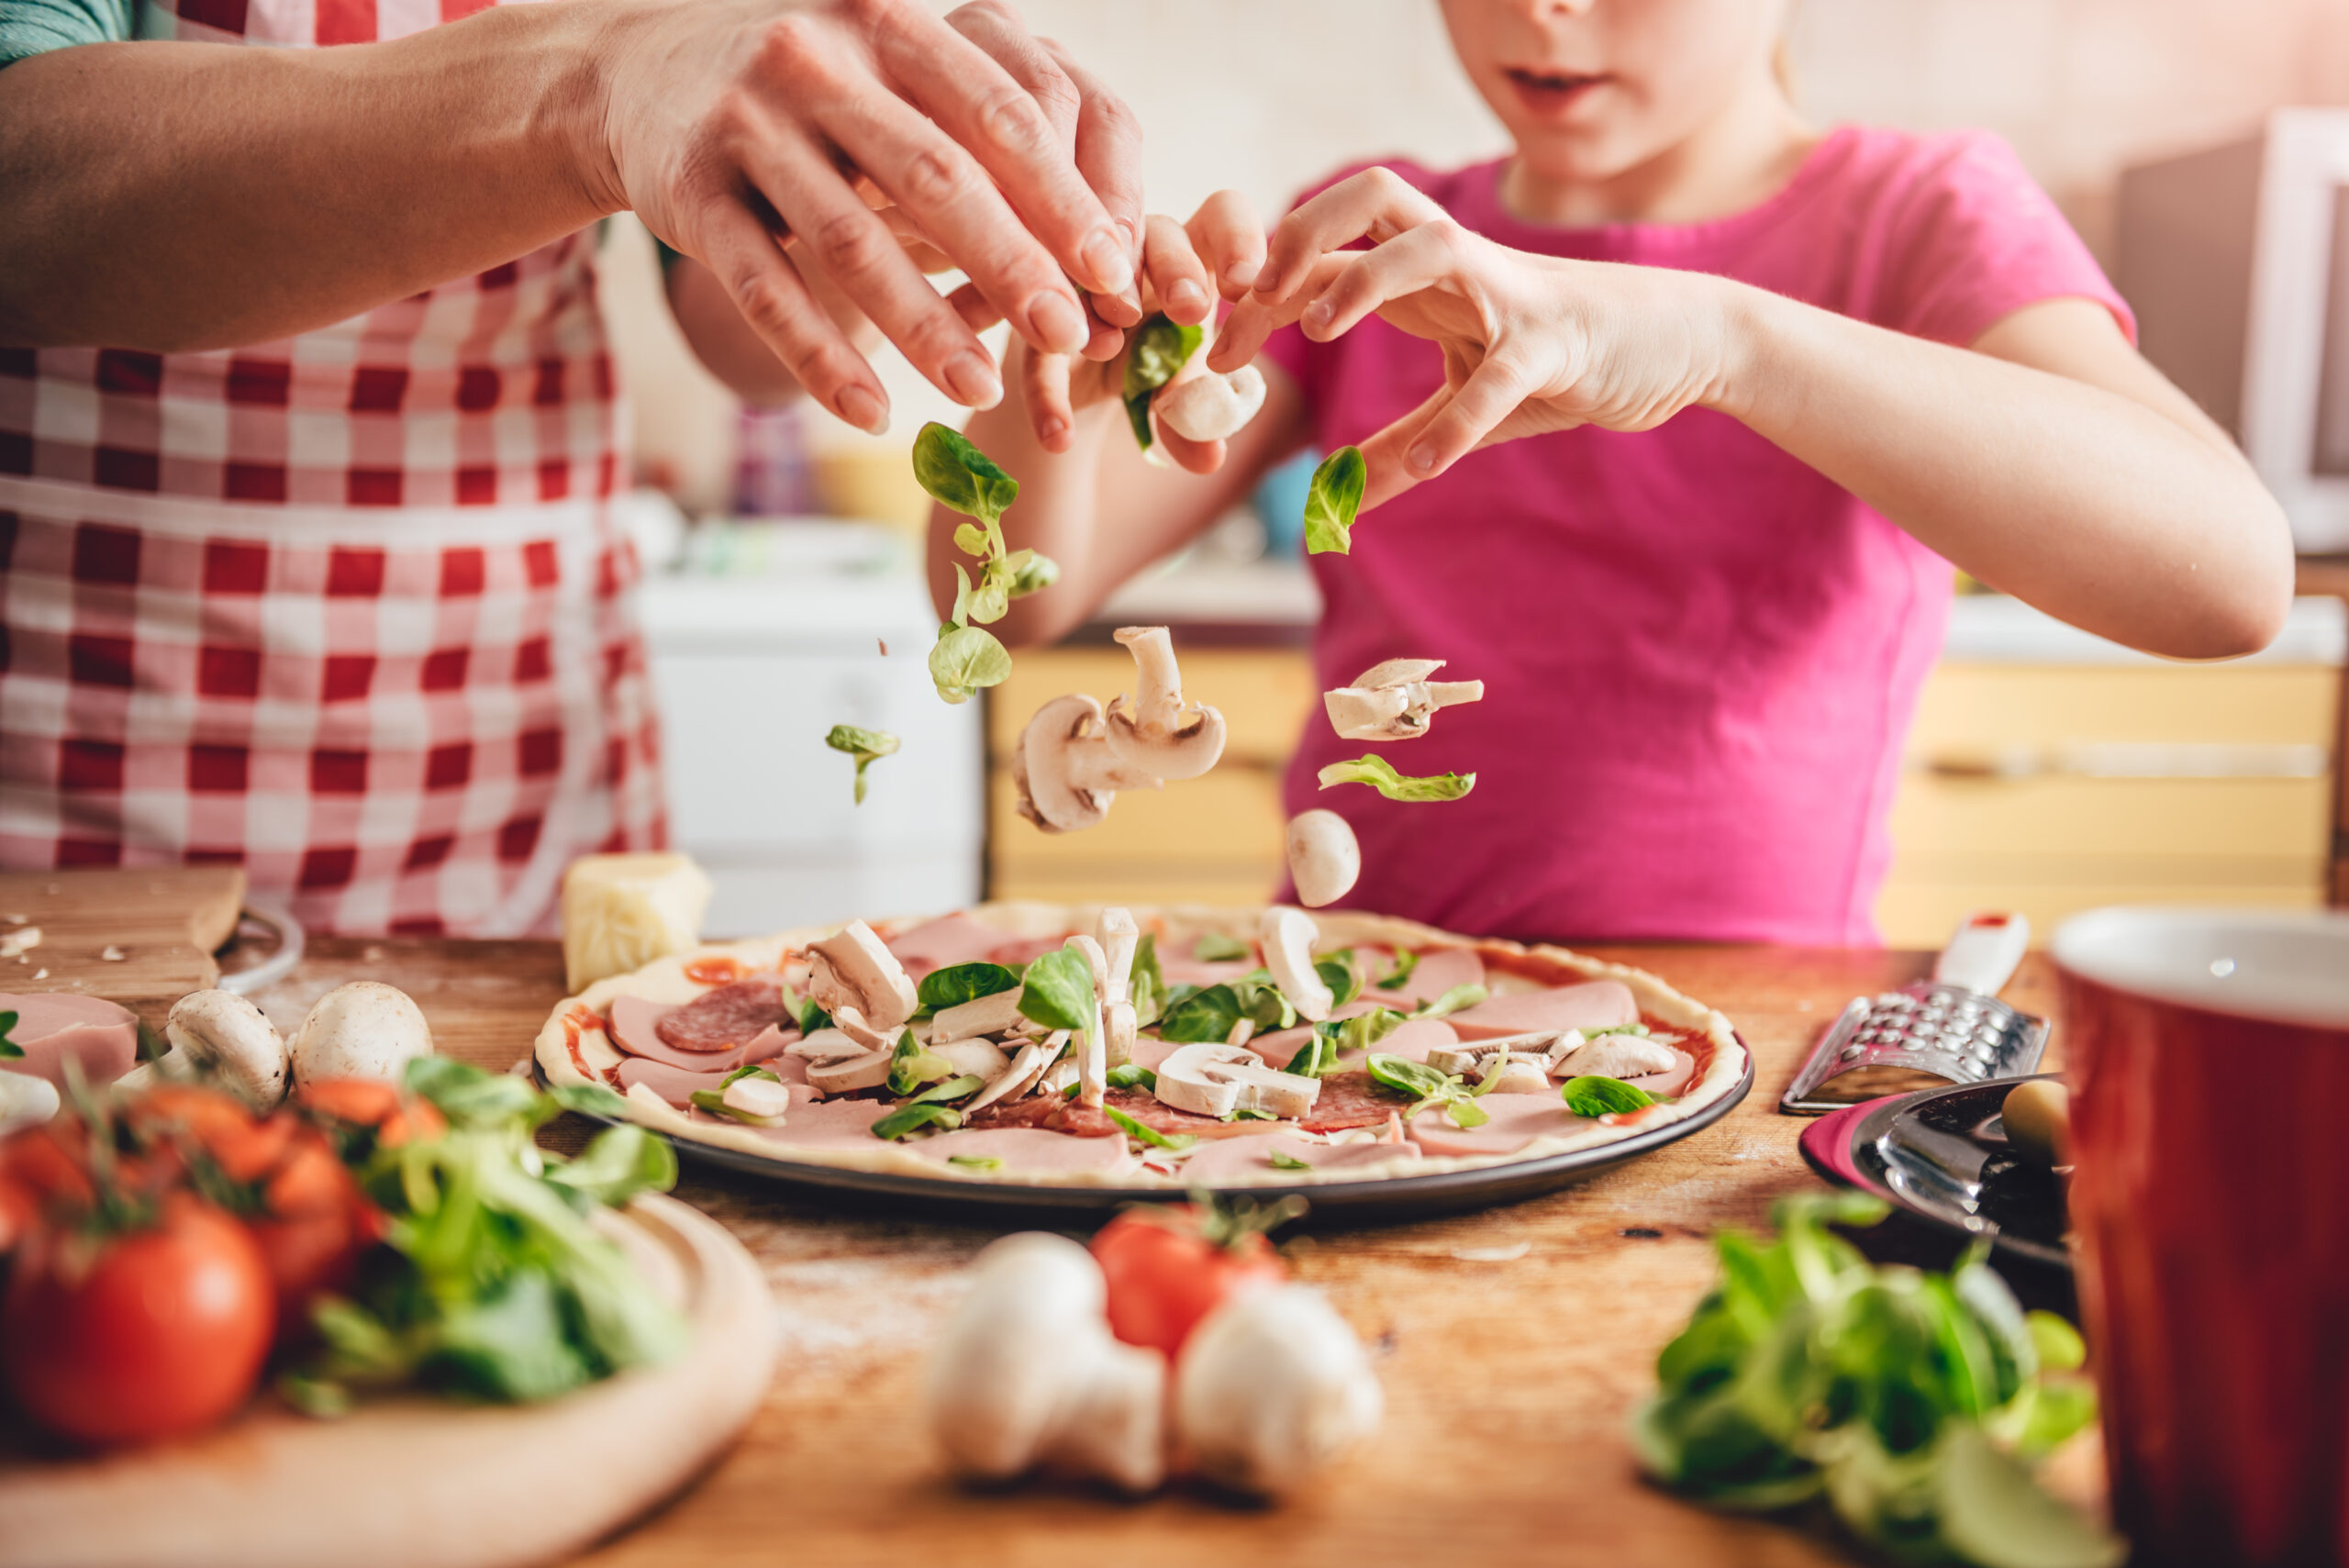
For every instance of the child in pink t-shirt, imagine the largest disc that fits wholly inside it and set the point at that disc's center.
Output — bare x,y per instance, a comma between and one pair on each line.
1675,419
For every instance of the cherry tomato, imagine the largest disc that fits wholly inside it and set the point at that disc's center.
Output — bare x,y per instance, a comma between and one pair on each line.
370,1102
145,1335
1167,1273
223,1127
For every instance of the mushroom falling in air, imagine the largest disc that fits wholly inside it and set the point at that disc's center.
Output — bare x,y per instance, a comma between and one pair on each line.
1395,701
1074,758
1324,858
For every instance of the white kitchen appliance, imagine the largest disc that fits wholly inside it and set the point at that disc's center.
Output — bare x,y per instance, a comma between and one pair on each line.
762,639
2236,261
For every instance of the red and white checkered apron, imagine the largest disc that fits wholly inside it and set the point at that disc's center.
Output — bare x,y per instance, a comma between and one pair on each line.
349,608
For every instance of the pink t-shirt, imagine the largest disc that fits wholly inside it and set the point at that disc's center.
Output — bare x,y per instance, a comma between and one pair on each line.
1700,656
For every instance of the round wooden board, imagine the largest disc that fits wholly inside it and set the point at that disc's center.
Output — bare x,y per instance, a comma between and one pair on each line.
424,1481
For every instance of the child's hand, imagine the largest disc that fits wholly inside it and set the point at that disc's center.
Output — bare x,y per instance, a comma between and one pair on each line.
1531,343
1183,268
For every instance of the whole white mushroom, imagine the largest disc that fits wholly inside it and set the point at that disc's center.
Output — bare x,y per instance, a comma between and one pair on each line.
363,1029
1324,857
1270,1388
221,1034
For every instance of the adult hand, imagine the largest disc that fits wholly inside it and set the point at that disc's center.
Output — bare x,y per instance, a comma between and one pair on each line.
1185,267
735,127
1531,343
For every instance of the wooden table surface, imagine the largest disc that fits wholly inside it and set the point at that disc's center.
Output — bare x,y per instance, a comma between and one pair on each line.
1508,1376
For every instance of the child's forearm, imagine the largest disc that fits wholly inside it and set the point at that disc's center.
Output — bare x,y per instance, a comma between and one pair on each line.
2114,506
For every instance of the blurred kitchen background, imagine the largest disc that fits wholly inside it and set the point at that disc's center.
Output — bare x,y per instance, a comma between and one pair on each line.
2190,142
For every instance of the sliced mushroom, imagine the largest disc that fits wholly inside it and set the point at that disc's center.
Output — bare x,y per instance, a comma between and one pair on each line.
1211,406
1160,733
1516,1075
1119,937
220,1032
980,1057
1093,1060
1471,1058
1218,1080
1272,1385
1288,937
1018,1078
824,1045
1618,1056
982,1015
847,1074
363,1029
757,1094
851,1022
1324,858
1395,701
1120,1030
853,969
1063,768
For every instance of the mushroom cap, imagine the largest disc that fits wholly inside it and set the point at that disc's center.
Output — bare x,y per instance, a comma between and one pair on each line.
1211,406
1288,938
1398,671
1272,1385
1324,857
1064,787
853,968
27,1101
1184,752
224,1033
363,1029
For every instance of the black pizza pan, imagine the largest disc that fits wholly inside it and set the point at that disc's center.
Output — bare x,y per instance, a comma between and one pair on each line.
1385,1200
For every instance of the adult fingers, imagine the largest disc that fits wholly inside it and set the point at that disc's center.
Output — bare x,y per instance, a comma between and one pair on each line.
1108,154
1174,273
973,93
1433,253
1256,318
1375,205
787,319
856,250
1228,238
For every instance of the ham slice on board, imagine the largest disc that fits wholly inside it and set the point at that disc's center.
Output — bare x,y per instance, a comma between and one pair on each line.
56,1026
1596,1004
676,1084
1516,1121
1437,971
1411,1040
945,943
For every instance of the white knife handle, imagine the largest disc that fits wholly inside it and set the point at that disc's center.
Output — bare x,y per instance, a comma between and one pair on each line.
1983,954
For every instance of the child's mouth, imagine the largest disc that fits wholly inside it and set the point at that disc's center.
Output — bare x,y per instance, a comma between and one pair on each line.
1552,92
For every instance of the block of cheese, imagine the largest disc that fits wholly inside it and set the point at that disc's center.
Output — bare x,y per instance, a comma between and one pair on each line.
620,912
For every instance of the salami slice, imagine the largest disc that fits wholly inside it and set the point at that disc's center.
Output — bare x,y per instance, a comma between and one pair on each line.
729,1016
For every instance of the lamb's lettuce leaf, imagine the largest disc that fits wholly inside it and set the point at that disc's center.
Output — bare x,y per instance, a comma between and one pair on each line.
1332,501
1380,774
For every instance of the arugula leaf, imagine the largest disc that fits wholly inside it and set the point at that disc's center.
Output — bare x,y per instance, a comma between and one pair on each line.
1126,1075
1217,947
1331,500
1149,1135
911,1066
915,1115
1593,1095
1206,1015
9,1049
865,745
1337,972
961,477
975,1162
1456,999
1380,774
1404,962
961,983
964,659
1282,1161
1146,985
1059,993
1160,349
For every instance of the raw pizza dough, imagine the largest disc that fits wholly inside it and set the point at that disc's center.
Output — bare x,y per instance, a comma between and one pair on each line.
573,1048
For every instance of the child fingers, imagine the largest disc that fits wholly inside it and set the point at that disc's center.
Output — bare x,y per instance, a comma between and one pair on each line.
1255,319
1492,392
1044,386
1375,205
1176,274
1430,254
1228,238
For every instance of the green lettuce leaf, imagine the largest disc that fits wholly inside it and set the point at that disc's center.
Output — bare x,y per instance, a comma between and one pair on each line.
1331,500
1059,992
863,745
961,983
961,477
1160,348
1594,1096
1380,774
964,659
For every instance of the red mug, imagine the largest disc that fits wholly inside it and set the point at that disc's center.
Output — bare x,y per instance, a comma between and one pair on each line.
2208,1054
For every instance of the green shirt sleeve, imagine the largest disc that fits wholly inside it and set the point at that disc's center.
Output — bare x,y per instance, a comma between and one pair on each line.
36,26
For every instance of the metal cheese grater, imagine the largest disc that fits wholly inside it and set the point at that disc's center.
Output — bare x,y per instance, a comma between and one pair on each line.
1950,1029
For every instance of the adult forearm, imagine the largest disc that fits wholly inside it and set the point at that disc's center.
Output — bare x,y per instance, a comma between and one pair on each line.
183,196
2090,505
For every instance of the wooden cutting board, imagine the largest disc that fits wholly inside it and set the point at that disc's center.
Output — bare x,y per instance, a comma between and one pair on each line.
427,1481
164,922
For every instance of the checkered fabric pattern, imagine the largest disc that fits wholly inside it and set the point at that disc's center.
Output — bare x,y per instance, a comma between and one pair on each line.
349,608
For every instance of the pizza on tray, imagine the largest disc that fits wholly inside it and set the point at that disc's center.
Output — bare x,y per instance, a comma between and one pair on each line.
1184,1046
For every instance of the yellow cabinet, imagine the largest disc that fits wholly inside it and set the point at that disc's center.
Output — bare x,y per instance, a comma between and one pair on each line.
2046,788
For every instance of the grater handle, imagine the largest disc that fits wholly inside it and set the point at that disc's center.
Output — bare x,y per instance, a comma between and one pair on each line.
1983,954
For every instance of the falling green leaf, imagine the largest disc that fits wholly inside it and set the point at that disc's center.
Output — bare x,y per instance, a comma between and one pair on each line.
1380,774
865,745
1332,501
961,477
964,659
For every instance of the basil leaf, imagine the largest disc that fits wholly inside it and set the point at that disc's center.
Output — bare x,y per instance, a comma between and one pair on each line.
914,1116
1160,349
1458,998
1059,992
865,745
1126,1075
9,1049
1592,1096
961,477
1218,948
961,983
1208,1015
1404,963
964,659
1337,971
1282,1161
1146,983
1149,1135
975,1162
1331,500
1380,774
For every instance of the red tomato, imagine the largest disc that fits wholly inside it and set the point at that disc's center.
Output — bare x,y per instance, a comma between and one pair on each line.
369,1102
1165,1274
159,1332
